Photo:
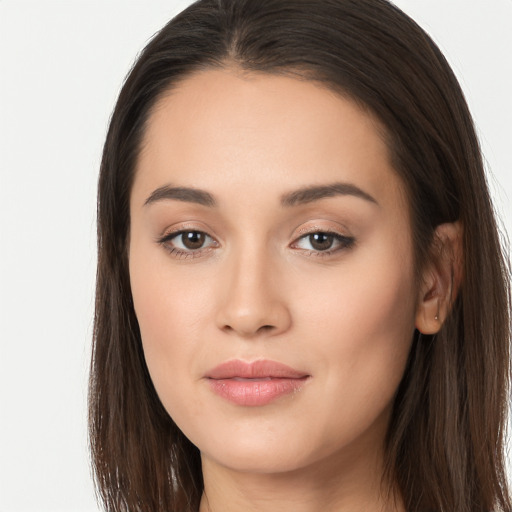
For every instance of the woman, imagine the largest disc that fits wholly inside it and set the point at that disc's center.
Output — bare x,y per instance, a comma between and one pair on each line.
301,296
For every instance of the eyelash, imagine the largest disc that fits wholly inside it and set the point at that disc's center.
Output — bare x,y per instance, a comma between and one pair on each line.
185,254
343,242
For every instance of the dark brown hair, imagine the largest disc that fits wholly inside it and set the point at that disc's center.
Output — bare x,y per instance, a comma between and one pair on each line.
446,437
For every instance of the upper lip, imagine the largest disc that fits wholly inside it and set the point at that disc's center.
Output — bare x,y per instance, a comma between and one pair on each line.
261,368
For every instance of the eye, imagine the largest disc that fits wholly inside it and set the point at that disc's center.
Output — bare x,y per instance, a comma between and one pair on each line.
191,240
323,242
187,242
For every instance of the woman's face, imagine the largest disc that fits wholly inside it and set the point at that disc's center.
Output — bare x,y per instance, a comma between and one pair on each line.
272,272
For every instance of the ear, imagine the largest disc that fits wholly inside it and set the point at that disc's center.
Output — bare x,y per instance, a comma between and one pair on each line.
441,278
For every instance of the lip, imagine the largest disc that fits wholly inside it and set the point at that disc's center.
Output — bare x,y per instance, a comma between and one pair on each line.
254,384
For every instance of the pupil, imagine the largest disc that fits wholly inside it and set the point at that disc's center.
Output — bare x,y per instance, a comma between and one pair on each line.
193,239
321,241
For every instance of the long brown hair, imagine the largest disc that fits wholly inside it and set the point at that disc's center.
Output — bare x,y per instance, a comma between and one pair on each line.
445,442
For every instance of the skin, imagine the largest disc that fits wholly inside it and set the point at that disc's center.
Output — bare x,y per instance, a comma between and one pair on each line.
259,289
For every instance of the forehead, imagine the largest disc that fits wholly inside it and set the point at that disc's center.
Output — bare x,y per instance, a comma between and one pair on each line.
274,133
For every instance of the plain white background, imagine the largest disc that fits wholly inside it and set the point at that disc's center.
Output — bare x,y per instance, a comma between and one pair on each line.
61,66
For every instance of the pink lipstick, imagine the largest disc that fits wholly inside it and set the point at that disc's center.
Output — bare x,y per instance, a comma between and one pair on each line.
254,384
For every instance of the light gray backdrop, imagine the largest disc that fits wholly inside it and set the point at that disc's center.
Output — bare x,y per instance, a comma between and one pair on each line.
61,66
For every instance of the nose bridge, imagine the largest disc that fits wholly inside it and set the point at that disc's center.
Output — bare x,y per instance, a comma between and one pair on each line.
252,303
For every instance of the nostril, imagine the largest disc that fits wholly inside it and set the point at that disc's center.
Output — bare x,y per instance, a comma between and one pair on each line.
247,331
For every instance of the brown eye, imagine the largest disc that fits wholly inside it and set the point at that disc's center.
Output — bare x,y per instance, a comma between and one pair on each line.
321,241
192,240
187,242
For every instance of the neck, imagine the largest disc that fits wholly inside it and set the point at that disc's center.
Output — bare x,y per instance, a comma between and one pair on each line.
352,485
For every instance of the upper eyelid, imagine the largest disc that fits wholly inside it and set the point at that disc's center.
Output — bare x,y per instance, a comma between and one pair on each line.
341,231
322,223
183,228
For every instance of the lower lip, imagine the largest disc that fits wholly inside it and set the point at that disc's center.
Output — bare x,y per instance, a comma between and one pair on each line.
255,392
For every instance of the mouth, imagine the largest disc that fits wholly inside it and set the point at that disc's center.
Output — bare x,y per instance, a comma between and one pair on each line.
255,384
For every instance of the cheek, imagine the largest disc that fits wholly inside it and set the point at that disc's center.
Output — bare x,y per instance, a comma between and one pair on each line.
170,352
381,307
169,312
381,331
362,324
163,309
370,297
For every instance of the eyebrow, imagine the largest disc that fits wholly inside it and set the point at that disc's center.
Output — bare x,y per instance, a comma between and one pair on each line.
186,194
297,197
315,193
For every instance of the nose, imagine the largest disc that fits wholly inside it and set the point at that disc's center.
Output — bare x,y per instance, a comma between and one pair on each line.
252,303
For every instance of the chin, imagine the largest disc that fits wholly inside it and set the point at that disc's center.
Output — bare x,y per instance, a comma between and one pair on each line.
267,450
257,460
